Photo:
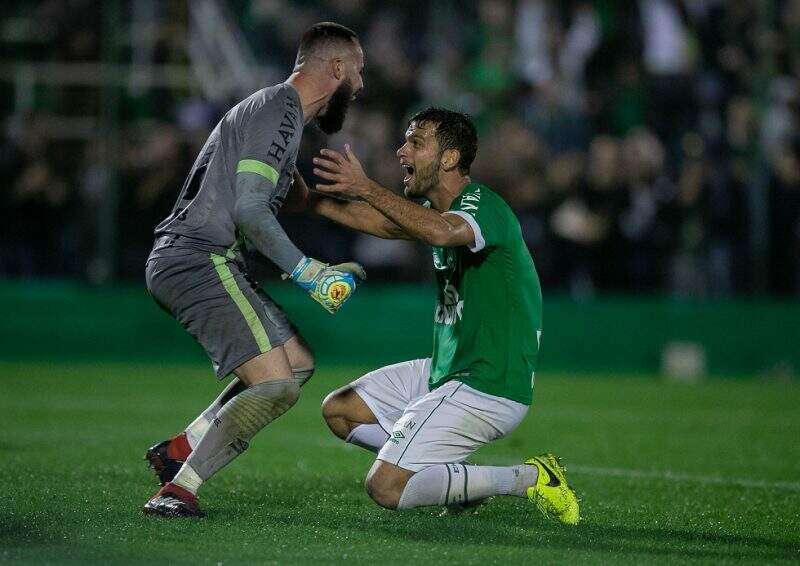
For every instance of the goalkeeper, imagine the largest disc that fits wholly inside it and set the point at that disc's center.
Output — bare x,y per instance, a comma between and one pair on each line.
197,270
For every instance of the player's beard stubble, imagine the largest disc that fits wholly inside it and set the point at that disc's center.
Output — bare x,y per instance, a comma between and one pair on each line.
425,178
333,119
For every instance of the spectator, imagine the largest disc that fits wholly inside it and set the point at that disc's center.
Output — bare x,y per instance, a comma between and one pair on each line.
633,139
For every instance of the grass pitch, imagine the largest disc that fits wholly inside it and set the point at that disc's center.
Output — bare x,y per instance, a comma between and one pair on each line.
668,473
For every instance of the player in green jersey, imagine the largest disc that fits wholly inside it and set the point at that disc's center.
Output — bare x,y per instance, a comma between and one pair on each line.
425,417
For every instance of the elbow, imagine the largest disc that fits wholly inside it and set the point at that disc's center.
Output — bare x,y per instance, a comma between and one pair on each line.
241,217
240,211
249,219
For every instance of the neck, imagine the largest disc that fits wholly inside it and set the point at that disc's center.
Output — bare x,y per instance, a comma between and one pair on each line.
312,97
443,194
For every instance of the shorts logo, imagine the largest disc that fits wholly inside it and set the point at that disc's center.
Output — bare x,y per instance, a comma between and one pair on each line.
396,435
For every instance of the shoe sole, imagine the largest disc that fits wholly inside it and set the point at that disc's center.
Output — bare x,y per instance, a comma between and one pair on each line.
158,512
155,512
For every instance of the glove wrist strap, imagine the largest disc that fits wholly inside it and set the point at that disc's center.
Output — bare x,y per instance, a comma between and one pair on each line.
306,272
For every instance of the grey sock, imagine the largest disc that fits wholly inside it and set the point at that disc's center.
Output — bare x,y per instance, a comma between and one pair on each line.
238,422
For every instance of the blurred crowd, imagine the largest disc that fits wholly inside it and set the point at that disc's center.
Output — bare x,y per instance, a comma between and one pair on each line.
646,146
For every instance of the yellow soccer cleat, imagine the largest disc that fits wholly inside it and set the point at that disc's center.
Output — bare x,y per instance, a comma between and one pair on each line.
551,494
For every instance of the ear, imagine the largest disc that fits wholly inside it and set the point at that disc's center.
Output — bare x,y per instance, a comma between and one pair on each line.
450,158
337,68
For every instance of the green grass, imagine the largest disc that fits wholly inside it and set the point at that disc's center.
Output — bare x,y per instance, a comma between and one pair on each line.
668,473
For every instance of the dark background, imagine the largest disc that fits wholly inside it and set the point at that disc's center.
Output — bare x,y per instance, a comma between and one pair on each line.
647,147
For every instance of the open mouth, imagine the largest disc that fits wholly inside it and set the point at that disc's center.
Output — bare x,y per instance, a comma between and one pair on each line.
409,170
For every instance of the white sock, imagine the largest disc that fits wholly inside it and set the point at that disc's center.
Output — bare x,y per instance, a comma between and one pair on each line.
188,479
198,427
369,436
445,484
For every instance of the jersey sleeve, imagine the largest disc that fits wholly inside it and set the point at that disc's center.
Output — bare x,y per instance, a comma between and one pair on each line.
484,215
270,138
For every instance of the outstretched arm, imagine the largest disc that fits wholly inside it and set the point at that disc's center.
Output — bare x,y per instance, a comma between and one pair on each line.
347,178
357,215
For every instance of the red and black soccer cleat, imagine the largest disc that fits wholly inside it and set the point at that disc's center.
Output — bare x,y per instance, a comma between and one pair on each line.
167,457
173,501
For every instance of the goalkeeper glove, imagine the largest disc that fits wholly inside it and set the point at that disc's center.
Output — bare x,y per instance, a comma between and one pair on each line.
329,285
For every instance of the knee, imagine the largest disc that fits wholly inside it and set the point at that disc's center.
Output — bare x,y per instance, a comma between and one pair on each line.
288,394
301,359
384,489
331,405
333,411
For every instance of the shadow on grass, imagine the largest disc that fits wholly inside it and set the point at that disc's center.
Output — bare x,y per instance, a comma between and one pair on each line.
6,446
506,523
534,531
17,530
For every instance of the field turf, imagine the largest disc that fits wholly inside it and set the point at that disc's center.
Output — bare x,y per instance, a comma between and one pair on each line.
669,473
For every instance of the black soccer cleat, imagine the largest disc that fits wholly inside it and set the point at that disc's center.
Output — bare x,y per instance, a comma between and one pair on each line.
173,501
159,461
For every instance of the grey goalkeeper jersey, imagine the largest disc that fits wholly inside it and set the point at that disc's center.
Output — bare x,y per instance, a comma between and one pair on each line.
240,179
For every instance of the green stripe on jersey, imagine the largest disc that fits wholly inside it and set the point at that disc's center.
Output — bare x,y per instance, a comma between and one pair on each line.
249,314
259,168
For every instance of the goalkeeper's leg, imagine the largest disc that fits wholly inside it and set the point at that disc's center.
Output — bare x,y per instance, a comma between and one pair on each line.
270,392
302,363
166,457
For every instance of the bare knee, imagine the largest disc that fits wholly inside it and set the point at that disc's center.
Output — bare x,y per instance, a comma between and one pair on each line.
344,410
334,411
385,483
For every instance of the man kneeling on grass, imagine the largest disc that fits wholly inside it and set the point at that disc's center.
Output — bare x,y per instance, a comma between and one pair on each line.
423,418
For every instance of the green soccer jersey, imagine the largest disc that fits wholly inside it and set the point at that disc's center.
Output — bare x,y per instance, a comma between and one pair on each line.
488,318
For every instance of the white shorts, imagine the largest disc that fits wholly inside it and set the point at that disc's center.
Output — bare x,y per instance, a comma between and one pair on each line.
426,427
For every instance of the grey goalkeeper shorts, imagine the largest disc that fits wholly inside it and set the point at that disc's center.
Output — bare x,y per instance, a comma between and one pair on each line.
212,296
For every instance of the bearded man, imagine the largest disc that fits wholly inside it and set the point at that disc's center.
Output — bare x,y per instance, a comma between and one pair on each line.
197,272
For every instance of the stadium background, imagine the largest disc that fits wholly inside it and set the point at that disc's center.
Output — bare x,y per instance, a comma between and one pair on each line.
651,150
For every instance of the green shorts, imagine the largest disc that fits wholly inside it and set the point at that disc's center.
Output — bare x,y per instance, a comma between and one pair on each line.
214,299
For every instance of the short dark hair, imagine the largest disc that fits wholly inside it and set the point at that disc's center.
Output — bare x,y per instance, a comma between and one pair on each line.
323,34
454,130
